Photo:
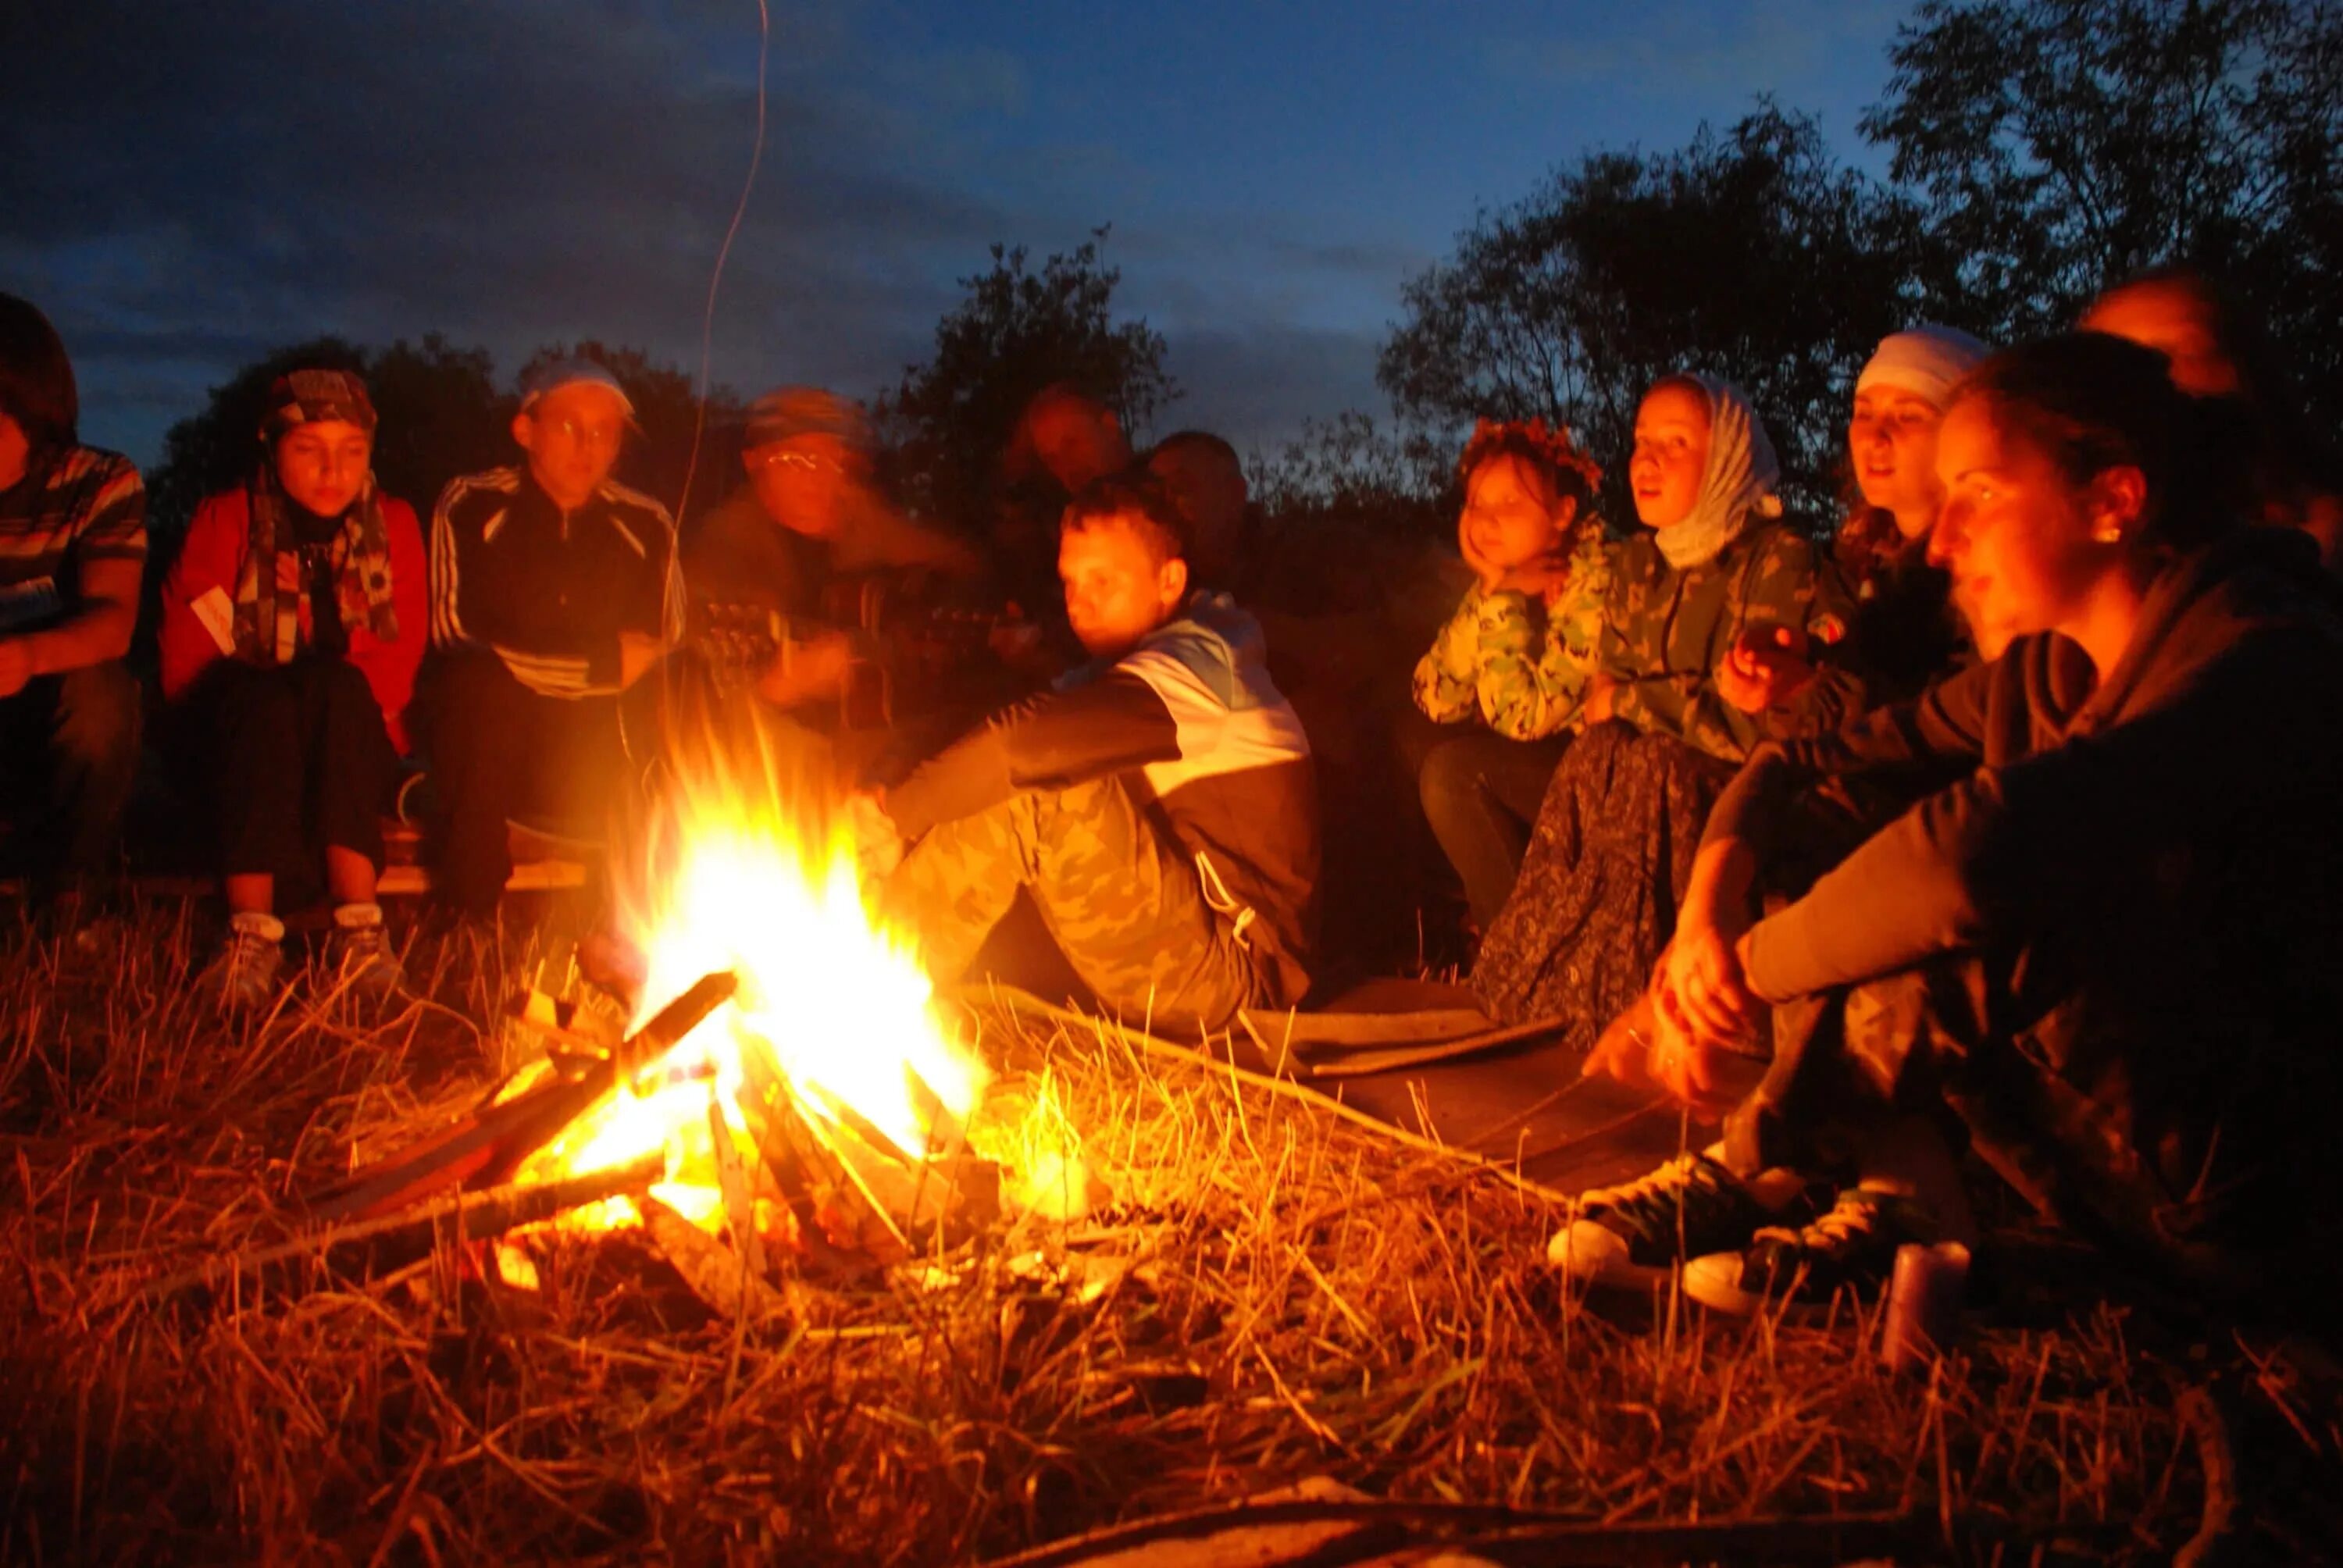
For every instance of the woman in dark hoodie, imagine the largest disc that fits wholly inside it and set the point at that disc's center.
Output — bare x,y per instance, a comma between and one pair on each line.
2102,943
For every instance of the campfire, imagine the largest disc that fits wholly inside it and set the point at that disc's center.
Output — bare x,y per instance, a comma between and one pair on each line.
785,1069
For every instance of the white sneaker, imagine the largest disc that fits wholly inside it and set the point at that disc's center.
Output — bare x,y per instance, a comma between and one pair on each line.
243,977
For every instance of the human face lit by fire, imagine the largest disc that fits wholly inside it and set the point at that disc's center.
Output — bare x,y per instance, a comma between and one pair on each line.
572,435
2176,323
1117,590
2025,544
1891,441
1671,454
323,466
808,484
1511,514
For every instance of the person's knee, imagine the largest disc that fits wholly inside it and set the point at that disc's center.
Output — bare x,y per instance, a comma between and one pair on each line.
97,719
1449,781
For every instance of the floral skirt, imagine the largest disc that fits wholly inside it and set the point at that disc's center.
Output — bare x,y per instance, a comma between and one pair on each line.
1606,867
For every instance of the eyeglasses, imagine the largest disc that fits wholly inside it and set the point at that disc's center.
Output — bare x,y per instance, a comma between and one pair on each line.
589,434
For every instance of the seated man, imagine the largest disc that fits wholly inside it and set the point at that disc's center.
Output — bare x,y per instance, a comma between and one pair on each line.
73,547
810,523
1158,805
1202,474
554,590
1065,441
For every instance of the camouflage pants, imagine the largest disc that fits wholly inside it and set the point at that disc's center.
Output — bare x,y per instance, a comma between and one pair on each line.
1121,898
2067,1120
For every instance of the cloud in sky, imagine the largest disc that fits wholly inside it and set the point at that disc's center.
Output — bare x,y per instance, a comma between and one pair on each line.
189,186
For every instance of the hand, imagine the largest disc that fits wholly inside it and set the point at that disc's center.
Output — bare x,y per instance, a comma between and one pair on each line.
1483,573
17,665
877,845
637,653
1601,700
1544,576
1701,970
1683,1061
809,670
1767,664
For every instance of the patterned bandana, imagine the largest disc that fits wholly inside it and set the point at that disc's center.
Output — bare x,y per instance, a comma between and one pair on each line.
314,397
1736,485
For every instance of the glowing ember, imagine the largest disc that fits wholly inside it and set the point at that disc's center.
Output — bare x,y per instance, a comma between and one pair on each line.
738,877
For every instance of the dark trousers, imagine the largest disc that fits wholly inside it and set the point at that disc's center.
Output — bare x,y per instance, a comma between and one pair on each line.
1481,794
498,750
297,761
2218,1182
68,756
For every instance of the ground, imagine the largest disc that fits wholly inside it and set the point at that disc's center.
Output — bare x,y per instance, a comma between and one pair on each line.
1276,1296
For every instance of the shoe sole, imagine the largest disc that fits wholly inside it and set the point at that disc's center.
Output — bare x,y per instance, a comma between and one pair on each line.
1715,1282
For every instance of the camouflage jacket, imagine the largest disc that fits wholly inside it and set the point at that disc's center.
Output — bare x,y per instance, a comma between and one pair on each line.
1520,667
1665,632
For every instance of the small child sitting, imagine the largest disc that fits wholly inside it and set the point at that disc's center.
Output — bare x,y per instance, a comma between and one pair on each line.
1515,660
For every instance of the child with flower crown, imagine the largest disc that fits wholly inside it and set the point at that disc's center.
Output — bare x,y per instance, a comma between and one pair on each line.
1505,675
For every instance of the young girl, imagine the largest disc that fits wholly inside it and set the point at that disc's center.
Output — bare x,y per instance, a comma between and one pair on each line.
2109,946
293,622
1513,661
1905,633
1712,640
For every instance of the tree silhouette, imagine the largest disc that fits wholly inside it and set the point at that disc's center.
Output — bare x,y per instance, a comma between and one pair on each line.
1749,252
666,414
1016,332
2063,143
440,416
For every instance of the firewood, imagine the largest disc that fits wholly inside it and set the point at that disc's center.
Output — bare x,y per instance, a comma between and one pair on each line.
376,1247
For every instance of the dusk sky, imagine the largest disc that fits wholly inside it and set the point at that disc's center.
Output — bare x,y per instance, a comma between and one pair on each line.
188,185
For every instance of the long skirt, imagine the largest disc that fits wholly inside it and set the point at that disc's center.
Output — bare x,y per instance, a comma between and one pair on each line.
1596,900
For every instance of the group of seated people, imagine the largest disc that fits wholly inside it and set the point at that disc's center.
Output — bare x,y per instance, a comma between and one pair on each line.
2000,818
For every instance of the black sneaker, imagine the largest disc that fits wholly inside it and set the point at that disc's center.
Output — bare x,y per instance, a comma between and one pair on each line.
1634,1234
1798,1269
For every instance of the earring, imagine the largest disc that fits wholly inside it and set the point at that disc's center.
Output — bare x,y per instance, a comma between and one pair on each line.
2108,533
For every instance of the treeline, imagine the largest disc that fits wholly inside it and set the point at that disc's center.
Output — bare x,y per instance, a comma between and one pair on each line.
2036,150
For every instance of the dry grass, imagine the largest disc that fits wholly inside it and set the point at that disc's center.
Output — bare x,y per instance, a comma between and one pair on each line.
1276,1296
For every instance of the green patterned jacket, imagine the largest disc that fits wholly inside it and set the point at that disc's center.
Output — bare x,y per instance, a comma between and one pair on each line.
1665,631
1520,667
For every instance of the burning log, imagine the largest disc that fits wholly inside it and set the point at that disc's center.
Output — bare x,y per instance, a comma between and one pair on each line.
490,1145
375,1247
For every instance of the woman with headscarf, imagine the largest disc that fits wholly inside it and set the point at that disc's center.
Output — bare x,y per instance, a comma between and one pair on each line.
1712,642
293,622
1905,633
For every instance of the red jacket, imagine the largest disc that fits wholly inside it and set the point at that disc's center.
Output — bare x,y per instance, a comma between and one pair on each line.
213,557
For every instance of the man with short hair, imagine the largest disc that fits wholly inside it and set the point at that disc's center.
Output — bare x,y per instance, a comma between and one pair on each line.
1158,805
554,590
72,549
1202,475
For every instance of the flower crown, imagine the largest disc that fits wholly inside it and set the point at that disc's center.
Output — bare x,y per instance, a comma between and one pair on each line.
1554,444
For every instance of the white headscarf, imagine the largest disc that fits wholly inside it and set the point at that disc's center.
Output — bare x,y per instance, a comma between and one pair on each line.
1736,485
1927,361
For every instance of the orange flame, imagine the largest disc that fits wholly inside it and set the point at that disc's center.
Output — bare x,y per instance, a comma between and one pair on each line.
746,869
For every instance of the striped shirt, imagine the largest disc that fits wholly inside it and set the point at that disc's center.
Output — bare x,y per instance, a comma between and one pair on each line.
550,593
78,506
